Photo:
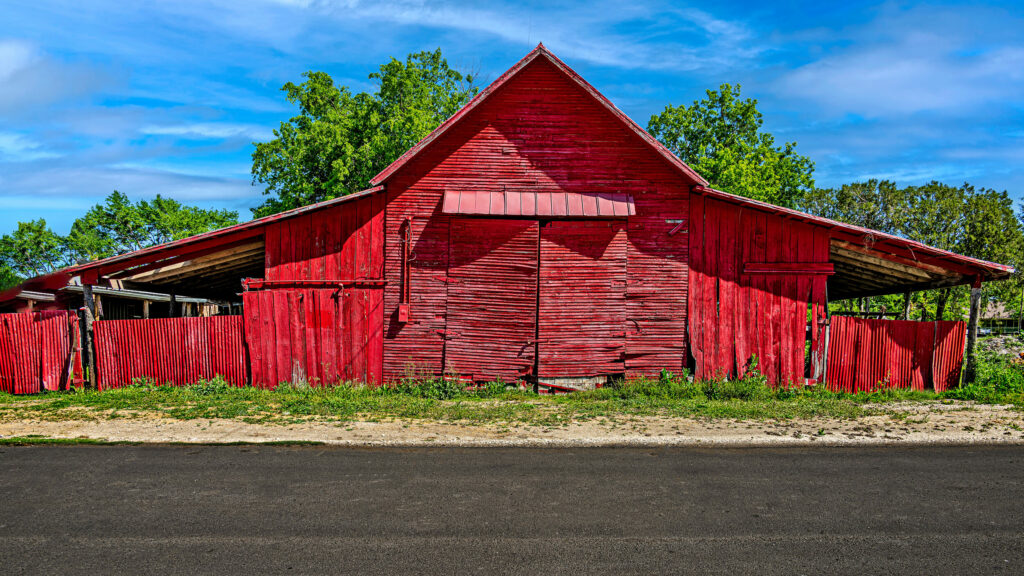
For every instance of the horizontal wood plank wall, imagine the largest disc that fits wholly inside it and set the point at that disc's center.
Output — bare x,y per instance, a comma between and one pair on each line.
539,132
866,354
344,242
39,351
177,351
492,299
315,336
582,318
736,316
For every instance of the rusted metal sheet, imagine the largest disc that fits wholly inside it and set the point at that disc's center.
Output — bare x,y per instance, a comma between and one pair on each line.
582,301
746,300
39,351
541,204
176,351
867,354
492,299
315,336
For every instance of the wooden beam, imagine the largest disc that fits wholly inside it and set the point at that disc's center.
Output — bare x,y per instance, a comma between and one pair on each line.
800,268
971,365
90,315
183,265
132,272
851,256
888,251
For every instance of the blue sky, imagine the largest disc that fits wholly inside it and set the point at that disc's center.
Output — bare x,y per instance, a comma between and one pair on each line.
166,97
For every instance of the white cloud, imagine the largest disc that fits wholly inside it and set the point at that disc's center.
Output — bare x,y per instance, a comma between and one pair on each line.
211,131
688,39
915,61
29,79
19,148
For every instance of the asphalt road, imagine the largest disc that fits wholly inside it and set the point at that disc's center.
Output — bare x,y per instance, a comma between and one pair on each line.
249,509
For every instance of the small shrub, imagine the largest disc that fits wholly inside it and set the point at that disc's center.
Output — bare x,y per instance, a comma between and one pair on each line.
214,386
998,381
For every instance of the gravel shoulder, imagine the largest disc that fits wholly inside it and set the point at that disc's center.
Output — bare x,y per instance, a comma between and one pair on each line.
957,423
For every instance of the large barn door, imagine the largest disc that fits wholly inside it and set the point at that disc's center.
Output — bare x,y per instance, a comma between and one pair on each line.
492,298
582,311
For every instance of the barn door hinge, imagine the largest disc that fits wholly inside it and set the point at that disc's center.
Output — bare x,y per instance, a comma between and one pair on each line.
679,226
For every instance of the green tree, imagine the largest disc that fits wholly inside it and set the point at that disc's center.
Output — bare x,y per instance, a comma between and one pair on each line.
119,225
872,204
8,278
31,250
720,137
338,141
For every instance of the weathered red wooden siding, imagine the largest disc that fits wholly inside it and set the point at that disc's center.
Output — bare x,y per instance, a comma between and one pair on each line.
734,315
330,332
343,242
177,351
492,298
39,351
866,354
540,132
582,316
316,335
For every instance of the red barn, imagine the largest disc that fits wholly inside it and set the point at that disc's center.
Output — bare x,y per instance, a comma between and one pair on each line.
538,234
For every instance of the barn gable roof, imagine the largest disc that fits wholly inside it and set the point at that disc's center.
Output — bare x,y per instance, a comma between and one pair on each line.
540,52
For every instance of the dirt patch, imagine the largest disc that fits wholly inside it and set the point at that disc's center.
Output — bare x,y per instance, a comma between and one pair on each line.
905,423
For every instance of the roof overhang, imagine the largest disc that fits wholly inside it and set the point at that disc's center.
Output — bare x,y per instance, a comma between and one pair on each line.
872,263
203,264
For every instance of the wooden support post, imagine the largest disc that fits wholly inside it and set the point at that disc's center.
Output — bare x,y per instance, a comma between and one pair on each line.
971,366
145,309
172,307
906,305
90,347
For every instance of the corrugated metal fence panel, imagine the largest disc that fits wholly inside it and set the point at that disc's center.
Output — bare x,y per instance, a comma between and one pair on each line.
320,336
177,351
948,358
39,351
866,354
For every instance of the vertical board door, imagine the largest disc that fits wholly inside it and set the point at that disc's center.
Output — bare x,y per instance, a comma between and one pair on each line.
492,298
582,304
319,336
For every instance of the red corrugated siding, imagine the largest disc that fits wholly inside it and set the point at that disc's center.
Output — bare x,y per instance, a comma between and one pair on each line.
865,354
492,298
343,242
735,316
320,336
582,319
540,132
39,351
177,351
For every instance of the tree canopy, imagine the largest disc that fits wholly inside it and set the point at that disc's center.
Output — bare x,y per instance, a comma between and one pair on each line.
720,137
338,141
116,226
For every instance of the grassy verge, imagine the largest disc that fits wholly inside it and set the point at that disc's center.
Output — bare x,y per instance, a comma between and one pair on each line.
445,400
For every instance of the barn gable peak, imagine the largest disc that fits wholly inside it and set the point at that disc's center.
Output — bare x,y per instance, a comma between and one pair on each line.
540,51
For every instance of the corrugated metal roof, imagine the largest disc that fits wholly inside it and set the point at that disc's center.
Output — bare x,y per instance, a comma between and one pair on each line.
538,204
